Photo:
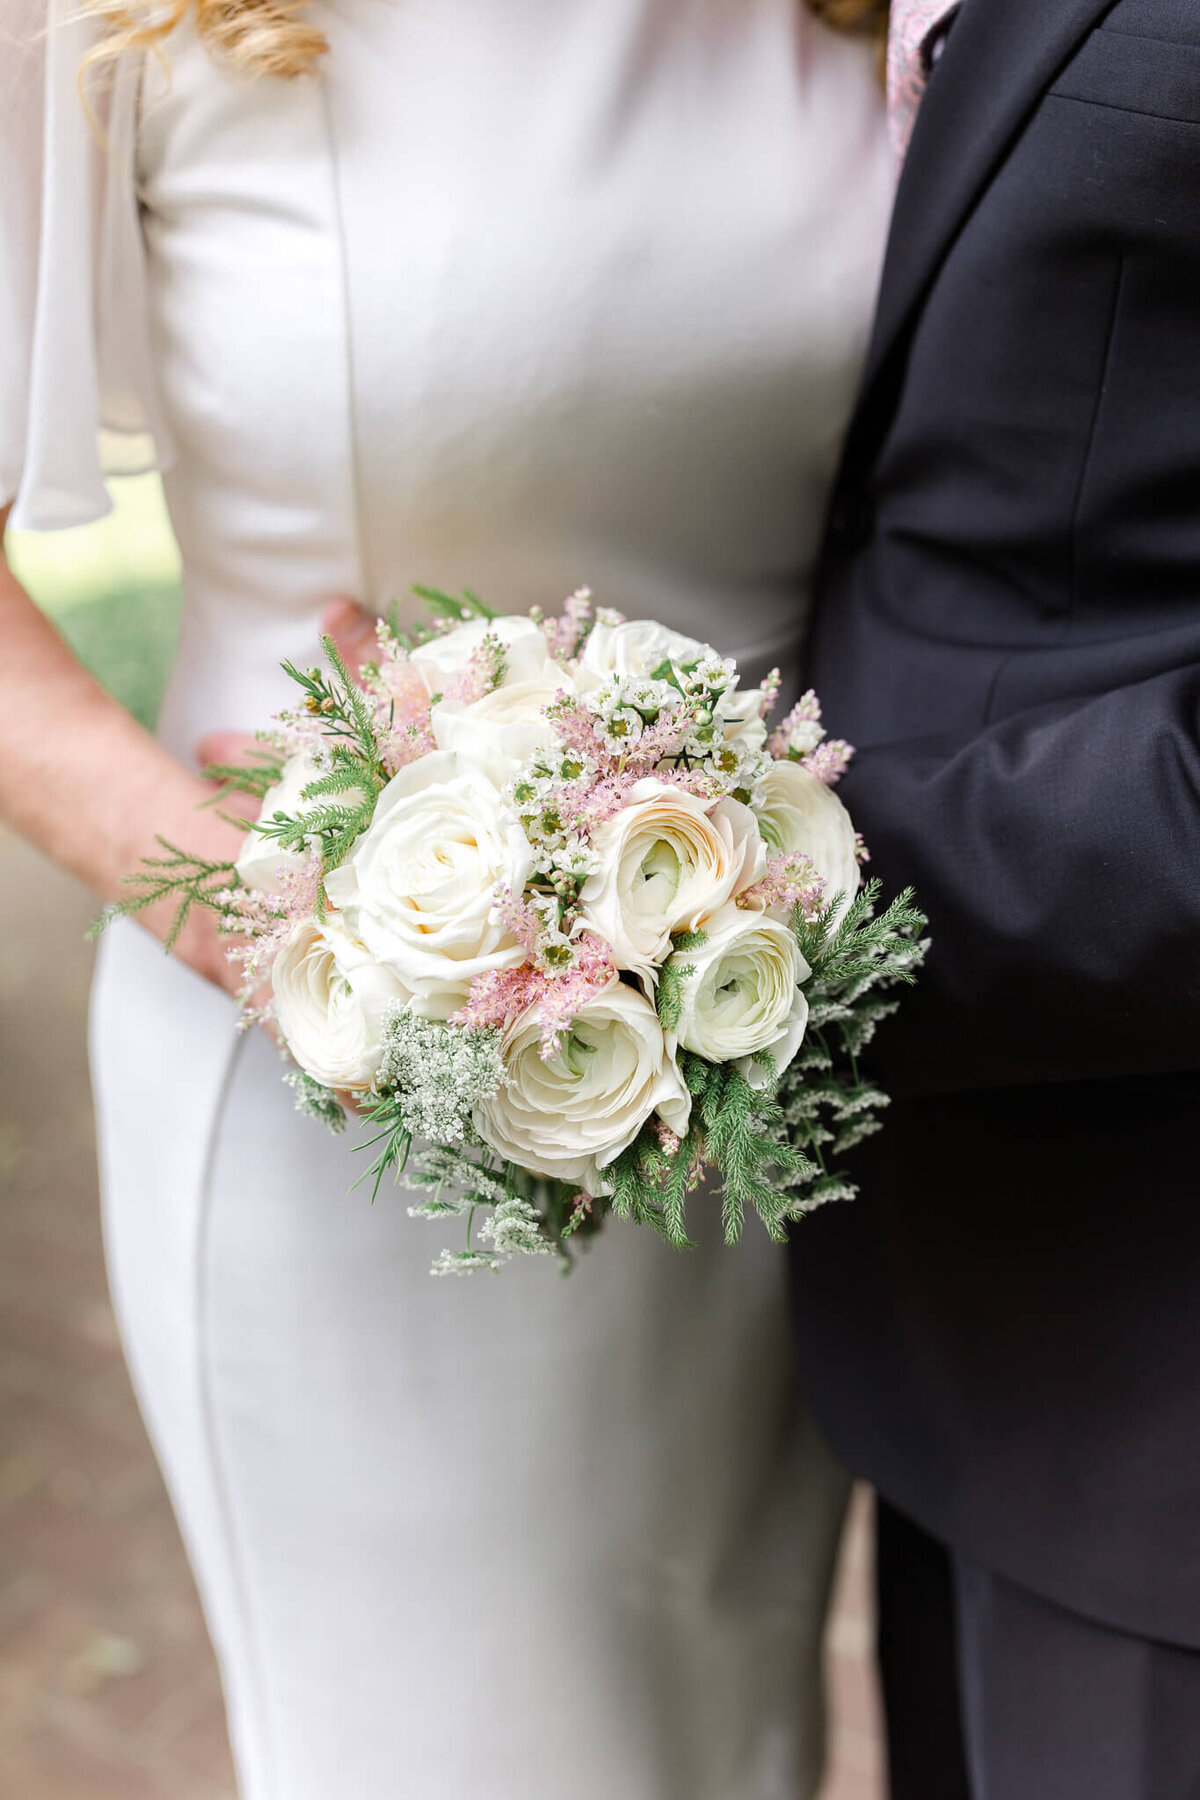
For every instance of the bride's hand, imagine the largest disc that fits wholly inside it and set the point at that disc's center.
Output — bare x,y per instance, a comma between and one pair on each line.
200,945
203,832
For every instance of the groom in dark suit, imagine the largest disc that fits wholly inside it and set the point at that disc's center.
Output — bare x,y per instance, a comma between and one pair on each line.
1003,1331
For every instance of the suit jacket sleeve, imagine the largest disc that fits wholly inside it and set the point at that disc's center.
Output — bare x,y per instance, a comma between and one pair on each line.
1058,857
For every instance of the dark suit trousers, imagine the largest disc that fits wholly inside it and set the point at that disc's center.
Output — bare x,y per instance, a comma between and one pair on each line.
993,1693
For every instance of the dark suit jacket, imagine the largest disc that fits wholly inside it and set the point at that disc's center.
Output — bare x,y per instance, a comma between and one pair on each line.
1004,1330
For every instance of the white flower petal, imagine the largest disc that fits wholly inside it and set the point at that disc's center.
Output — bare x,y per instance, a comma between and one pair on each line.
419,887
799,815
744,994
570,1116
330,1001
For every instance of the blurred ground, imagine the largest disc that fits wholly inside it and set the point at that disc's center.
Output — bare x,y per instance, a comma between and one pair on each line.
107,1685
108,1689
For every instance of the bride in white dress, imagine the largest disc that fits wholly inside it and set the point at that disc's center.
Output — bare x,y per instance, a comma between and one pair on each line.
514,294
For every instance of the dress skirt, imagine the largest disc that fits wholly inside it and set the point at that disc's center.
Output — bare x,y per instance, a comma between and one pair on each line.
521,1536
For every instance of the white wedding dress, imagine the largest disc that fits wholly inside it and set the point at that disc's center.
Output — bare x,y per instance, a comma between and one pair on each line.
518,294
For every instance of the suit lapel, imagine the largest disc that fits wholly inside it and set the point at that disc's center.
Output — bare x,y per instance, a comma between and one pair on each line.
999,58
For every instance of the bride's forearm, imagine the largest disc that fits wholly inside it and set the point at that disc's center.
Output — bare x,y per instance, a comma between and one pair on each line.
78,776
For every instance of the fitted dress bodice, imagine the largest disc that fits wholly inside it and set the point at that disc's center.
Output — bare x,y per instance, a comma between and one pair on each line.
514,297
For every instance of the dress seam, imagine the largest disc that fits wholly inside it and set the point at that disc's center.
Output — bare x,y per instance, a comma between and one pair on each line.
208,1422
366,589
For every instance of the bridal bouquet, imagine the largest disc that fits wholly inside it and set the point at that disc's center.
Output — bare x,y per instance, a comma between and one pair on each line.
545,901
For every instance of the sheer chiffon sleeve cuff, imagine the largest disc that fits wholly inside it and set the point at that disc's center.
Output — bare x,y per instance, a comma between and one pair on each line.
77,390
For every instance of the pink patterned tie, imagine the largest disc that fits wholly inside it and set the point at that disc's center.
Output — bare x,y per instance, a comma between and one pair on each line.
912,23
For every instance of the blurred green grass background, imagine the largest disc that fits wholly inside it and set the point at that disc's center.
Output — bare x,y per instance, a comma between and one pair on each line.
113,590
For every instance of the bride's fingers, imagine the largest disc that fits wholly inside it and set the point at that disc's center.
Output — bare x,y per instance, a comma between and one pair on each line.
352,629
224,747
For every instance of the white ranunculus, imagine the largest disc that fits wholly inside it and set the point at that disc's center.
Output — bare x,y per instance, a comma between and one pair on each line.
418,886
330,1002
262,861
665,861
568,1117
527,655
744,993
505,728
799,815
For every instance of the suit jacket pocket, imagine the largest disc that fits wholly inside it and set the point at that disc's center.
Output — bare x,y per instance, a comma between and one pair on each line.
1152,75
1175,20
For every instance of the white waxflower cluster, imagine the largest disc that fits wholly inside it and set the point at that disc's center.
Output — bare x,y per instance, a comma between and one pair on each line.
562,852
714,673
626,706
804,737
439,1074
737,767
567,862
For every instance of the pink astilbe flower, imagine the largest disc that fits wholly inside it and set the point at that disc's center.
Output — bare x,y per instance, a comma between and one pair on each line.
266,921
800,732
564,637
584,806
670,1145
576,729
790,881
482,674
668,1140
401,700
524,923
659,742
581,1206
829,761
295,731
500,996
770,693
860,849
560,978
801,738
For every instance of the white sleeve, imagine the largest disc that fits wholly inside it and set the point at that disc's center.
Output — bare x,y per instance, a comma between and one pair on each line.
77,391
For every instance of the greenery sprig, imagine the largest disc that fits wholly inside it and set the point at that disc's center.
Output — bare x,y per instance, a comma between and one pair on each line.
773,1147
188,880
256,777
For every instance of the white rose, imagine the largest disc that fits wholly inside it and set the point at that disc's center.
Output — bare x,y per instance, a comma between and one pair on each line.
799,815
527,653
639,646
664,862
568,1117
418,886
744,993
635,647
262,862
330,1001
505,728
